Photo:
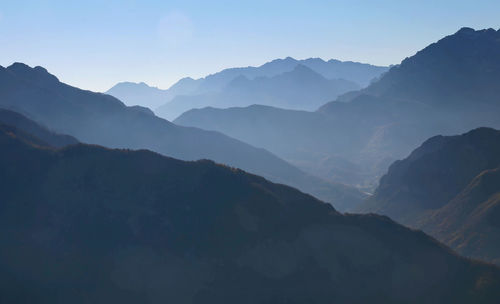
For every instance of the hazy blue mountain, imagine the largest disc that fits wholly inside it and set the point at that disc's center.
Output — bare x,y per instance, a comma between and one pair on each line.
171,231
359,73
138,94
362,74
342,74
151,97
447,88
450,187
366,136
301,89
102,119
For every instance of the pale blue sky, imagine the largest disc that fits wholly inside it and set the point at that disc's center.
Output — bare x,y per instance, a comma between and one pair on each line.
94,44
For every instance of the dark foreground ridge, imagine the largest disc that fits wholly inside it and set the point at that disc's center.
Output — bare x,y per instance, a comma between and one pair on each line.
86,224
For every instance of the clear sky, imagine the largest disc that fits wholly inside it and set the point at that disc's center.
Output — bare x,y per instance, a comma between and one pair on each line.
94,44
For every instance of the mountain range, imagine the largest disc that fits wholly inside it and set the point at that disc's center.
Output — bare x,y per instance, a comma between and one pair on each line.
449,87
450,188
315,80
94,208
301,89
102,119
87,224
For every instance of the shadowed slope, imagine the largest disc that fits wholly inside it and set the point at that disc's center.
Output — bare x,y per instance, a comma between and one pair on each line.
87,224
470,222
20,122
450,188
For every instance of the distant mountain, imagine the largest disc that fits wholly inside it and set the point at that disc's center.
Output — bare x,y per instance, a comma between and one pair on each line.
360,73
301,89
365,136
102,119
447,88
450,187
85,224
291,134
132,94
345,76
43,136
151,97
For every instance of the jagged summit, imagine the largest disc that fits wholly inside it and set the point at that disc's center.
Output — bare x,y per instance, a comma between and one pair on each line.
35,73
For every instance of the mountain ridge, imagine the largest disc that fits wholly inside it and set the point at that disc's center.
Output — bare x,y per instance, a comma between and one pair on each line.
450,188
359,73
198,232
298,89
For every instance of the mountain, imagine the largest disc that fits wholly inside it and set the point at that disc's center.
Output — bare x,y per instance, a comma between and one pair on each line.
460,69
347,76
138,94
361,139
455,77
450,187
151,97
447,88
301,89
44,136
360,73
469,222
86,224
102,119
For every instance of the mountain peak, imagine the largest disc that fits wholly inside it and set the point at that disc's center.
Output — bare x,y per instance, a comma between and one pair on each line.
40,69
38,72
481,131
315,60
466,30
288,60
19,66
470,31
131,83
438,74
